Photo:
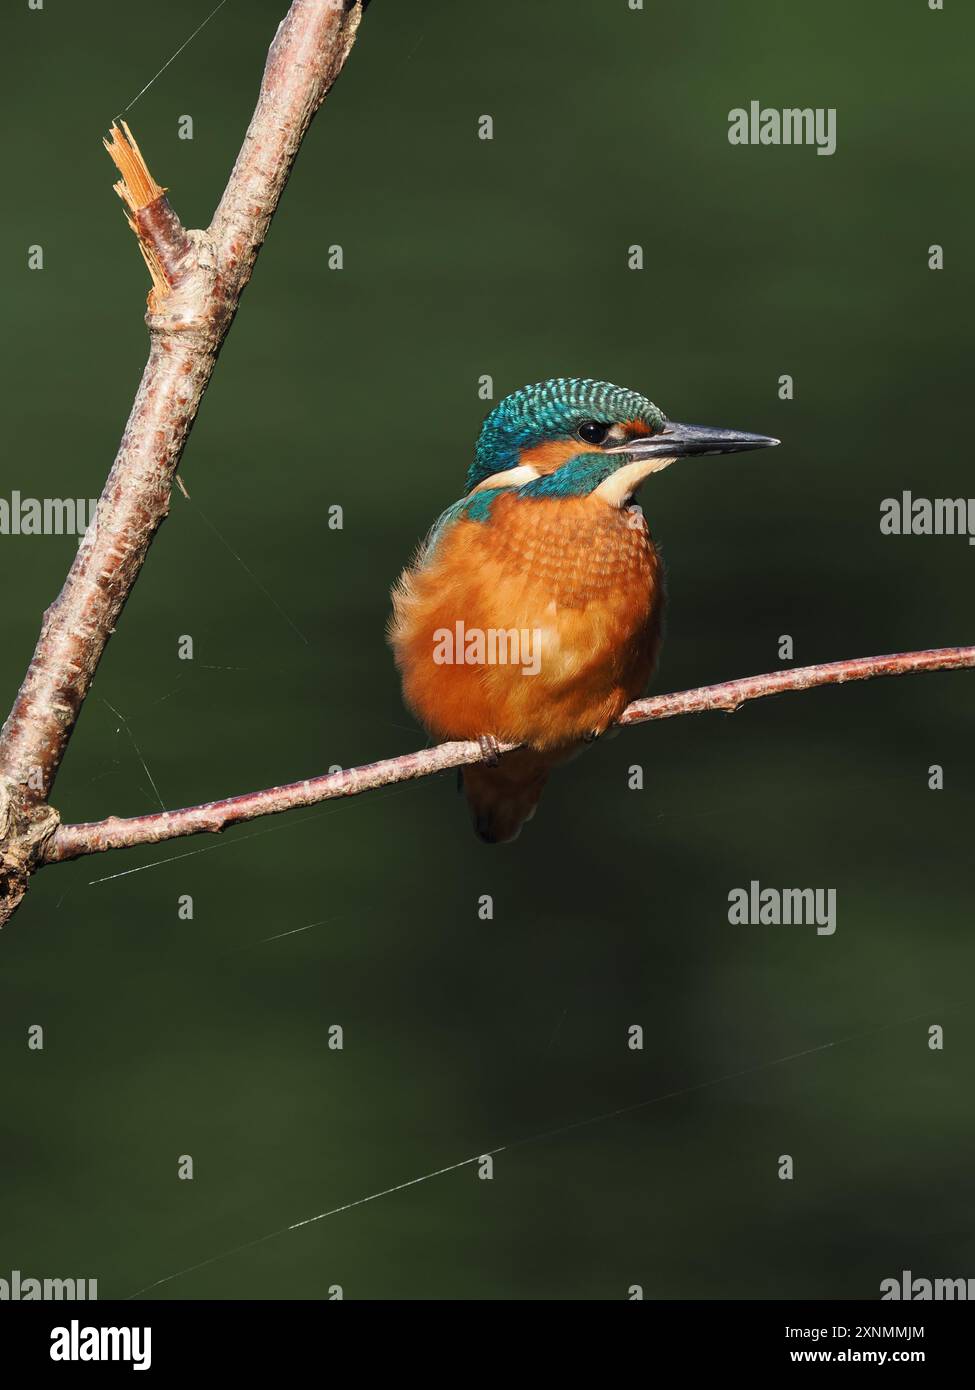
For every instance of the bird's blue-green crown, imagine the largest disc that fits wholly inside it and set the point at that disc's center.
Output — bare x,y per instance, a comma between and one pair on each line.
551,410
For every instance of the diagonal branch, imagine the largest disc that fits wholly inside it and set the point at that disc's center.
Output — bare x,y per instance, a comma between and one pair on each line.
197,281
197,278
73,841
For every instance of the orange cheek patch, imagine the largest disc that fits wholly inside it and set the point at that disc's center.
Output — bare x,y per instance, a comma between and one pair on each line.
546,458
636,429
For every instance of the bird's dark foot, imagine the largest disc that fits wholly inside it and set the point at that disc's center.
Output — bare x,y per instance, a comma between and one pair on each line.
490,750
591,737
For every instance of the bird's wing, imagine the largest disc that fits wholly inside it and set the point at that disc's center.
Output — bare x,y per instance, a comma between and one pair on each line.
442,524
476,506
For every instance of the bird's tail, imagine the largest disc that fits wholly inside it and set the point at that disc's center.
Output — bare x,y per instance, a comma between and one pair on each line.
502,798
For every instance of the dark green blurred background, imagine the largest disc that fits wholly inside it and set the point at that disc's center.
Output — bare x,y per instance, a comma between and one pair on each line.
167,1037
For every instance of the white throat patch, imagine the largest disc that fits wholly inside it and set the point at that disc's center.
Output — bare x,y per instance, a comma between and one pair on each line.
620,486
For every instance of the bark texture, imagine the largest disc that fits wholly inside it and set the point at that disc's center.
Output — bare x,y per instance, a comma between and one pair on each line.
71,841
198,277
197,281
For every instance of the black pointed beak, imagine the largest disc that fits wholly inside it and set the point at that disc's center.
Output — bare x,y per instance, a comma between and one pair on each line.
678,441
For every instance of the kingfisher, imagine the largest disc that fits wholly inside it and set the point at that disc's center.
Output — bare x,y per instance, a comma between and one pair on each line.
532,613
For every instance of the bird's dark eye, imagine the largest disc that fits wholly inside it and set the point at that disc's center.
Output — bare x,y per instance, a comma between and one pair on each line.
593,431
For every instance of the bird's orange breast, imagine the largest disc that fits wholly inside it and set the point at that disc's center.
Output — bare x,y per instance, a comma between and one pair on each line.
537,626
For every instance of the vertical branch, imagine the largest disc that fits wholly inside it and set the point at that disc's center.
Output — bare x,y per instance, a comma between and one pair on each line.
197,280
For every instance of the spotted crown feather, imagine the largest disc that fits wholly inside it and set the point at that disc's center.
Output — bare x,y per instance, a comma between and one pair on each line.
548,410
